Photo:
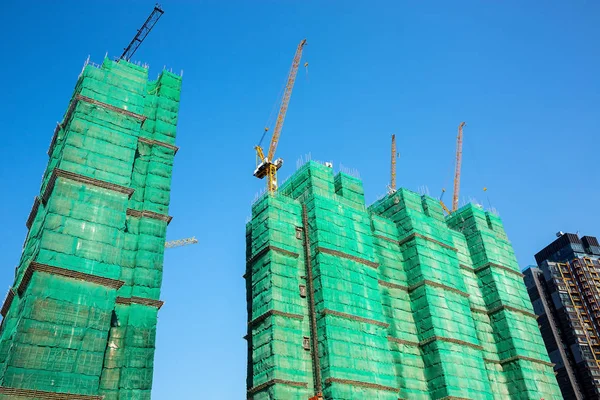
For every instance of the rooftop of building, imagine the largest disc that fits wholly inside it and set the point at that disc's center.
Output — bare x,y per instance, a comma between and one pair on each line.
567,246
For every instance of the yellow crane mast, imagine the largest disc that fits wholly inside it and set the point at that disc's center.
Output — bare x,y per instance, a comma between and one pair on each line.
393,172
268,165
459,140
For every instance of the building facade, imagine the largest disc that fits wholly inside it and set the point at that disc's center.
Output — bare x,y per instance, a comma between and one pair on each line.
390,301
80,318
565,291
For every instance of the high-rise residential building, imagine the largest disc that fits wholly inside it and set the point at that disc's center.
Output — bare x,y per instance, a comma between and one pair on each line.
80,318
391,301
565,292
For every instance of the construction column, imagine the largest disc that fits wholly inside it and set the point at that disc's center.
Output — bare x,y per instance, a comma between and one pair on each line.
80,318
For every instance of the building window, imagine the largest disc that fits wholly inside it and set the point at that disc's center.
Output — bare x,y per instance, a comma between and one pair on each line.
302,291
586,353
306,343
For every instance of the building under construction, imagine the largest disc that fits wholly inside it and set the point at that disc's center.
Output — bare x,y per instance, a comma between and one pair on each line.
392,301
80,318
565,292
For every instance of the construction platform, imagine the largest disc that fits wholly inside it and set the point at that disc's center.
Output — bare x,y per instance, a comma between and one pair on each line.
391,301
80,318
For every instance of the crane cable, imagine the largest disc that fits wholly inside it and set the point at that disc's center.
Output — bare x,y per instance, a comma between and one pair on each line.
271,118
471,149
276,105
475,161
450,174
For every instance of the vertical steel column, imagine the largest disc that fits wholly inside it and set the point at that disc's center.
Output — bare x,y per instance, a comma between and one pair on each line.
311,306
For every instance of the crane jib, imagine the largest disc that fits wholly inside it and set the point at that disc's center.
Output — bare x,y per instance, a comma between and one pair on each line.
285,101
136,42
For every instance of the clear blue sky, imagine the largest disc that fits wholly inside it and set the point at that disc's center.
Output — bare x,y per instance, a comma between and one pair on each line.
524,75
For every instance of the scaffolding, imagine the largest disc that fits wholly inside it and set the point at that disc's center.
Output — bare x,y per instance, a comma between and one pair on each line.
575,307
382,302
577,284
80,318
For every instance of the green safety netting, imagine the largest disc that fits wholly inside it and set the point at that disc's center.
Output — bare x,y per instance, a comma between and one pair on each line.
81,315
408,303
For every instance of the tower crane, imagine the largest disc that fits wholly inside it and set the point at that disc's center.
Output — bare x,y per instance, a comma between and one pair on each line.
442,202
141,34
268,165
181,242
459,140
392,187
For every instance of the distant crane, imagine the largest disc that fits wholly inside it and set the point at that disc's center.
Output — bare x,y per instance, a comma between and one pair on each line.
442,202
459,140
180,242
268,165
141,34
392,188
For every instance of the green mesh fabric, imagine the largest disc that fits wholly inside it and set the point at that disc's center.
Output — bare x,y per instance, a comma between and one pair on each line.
408,303
81,315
